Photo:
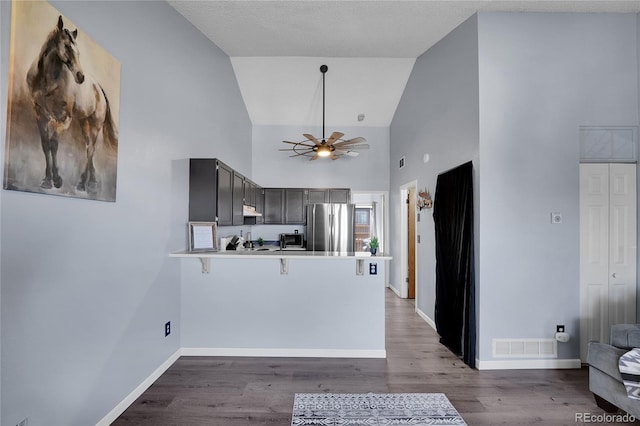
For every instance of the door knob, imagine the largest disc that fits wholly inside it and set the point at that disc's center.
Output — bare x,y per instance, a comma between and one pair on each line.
613,275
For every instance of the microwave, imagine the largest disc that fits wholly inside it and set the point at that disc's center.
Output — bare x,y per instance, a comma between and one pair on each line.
291,241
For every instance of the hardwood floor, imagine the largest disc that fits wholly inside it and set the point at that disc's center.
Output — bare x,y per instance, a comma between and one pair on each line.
229,391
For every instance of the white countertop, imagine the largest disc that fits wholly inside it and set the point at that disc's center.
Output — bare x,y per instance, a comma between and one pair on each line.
276,253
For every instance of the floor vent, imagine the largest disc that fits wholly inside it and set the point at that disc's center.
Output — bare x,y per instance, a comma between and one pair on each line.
525,348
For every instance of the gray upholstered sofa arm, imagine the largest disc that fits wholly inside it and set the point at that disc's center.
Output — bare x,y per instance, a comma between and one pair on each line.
625,336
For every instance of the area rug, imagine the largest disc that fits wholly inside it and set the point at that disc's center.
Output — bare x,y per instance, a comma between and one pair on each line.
350,409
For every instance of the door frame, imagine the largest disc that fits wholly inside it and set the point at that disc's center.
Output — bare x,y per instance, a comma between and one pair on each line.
404,231
384,196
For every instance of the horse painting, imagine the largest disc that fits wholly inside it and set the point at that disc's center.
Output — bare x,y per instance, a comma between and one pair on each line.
62,93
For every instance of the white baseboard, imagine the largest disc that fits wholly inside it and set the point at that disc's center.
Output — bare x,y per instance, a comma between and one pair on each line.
139,390
426,318
395,290
286,352
528,364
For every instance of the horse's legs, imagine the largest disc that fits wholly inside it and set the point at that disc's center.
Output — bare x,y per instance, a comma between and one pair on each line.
46,149
88,180
53,147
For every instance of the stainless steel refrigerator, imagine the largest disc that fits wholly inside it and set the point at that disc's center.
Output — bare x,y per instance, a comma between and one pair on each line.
330,227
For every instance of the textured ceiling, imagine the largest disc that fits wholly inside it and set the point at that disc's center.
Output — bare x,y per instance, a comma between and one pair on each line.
277,47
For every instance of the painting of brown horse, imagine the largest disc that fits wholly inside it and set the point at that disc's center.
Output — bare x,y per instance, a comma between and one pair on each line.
61,106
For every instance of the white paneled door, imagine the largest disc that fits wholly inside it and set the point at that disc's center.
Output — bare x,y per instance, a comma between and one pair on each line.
607,249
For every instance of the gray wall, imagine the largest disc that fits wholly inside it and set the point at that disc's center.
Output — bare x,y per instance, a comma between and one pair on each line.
508,91
438,115
87,286
542,76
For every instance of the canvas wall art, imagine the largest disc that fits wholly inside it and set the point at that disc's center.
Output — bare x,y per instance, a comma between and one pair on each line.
63,108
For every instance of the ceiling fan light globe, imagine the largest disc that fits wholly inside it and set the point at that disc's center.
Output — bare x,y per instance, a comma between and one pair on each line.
324,151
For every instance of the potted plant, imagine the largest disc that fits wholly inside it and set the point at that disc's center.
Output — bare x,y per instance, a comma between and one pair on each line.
260,241
373,245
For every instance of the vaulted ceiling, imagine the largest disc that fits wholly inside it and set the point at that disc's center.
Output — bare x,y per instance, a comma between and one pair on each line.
277,47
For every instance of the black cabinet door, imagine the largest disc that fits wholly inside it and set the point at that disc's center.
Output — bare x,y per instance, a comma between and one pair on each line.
203,183
273,206
294,209
238,199
339,195
225,195
259,204
317,196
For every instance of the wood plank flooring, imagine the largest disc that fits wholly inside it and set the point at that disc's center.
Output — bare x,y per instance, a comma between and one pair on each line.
230,391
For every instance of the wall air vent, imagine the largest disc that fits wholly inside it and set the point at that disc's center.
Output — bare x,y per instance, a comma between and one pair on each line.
525,348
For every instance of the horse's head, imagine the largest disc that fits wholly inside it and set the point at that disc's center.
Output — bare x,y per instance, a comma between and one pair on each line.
67,50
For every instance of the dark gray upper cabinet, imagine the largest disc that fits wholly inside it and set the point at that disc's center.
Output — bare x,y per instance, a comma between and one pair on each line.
328,195
340,195
295,206
317,196
273,206
225,195
216,192
238,199
203,190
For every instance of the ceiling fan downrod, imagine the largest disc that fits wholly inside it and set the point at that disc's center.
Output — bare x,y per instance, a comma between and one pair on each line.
323,70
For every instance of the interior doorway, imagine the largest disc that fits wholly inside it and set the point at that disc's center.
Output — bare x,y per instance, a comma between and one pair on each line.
408,241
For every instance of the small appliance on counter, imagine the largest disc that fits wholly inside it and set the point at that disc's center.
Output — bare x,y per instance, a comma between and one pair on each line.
229,243
291,241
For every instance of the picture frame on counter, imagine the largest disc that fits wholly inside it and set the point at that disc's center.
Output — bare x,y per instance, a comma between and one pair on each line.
202,236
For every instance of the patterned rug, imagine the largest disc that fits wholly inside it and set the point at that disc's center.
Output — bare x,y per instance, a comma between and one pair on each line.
350,409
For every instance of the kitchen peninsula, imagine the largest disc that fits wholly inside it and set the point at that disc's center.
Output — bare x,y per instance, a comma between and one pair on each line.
283,303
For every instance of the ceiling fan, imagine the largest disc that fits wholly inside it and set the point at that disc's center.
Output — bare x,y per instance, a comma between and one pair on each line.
334,147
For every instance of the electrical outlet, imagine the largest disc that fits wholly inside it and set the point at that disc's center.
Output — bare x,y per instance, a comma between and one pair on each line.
559,328
373,269
167,328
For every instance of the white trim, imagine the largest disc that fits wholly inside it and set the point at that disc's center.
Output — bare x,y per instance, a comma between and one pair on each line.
426,319
286,352
404,230
528,364
395,290
139,390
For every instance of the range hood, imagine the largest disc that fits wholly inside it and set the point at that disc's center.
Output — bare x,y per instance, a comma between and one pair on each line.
249,211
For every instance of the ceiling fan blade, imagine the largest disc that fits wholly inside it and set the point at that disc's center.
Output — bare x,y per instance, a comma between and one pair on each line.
361,146
311,138
297,143
351,141
334,137
315,157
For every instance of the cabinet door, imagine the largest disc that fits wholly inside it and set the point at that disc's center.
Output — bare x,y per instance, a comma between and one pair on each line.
203,200
273,206
317,196
340,195
259,204
225,195
238,199
294,209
